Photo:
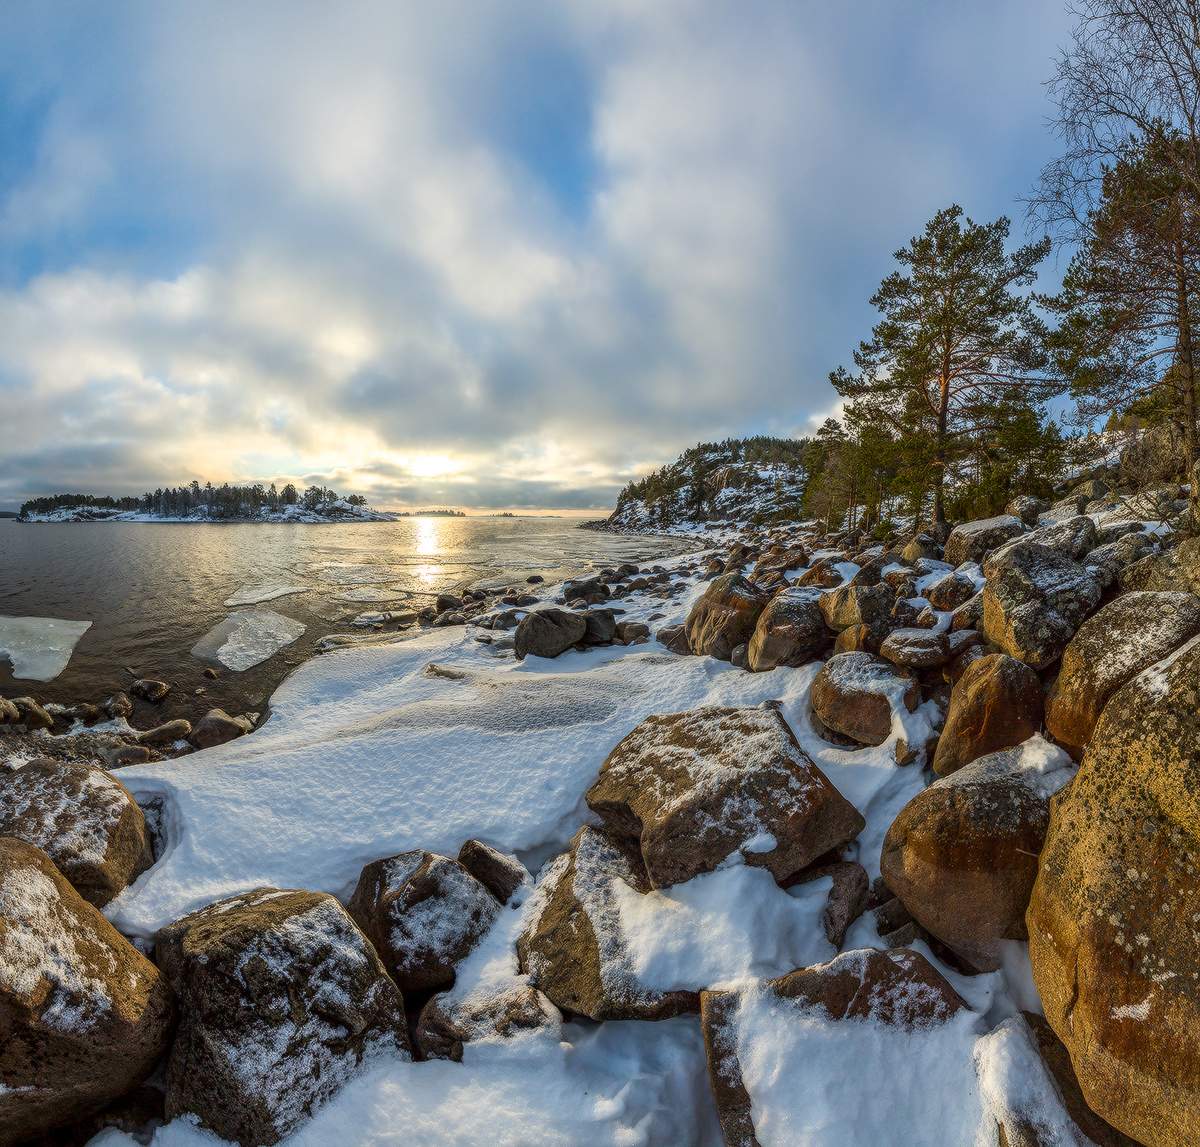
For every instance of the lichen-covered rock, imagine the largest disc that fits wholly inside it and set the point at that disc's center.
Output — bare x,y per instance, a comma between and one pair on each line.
500,873
1175,569
84,1016
971,541
1129,634
85,820
921,546
1110,559
949,592
916,648
898,988
995,704
1072,537
859,696
549,632
282,1000
725,616
962,854
687,789
573,947
791,631
857,605
424,913
1027,508
1112,920
1034,600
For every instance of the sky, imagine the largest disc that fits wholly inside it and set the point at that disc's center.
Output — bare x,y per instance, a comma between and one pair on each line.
488,254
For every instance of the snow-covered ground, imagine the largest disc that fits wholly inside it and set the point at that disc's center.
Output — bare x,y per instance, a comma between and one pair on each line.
39,648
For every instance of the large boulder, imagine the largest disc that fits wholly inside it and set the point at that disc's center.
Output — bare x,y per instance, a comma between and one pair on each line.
950,591
725,616
1112,921
573,948
549,632
687,789
1034,600
971,541
84,819
995,704
424,913
282,1001
1073,537
1027,508
448,1021
916,648
962,854
790,631
1129,634
217,727
84,1016
858,695
500,873
1175,569
898,988
857,605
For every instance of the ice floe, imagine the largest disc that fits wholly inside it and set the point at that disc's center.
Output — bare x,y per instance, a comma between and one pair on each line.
247,638
269,591
39,647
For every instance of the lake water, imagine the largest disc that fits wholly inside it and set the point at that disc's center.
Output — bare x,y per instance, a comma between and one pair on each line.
151,591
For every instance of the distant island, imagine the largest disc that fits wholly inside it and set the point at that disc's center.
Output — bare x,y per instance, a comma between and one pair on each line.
209,503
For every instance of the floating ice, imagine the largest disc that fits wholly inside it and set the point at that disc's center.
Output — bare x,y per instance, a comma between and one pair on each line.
254,594
39,647
248,638
373,593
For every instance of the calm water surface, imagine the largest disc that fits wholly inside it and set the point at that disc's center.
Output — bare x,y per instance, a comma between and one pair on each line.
152,590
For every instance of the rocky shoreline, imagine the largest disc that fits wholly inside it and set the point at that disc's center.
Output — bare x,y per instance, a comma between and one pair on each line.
848,800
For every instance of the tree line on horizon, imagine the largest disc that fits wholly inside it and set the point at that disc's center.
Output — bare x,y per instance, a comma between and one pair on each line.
223,501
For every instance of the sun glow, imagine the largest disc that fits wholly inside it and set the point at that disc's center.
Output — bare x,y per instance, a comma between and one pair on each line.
432,465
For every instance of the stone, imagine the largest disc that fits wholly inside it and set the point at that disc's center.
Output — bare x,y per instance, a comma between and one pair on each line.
857,695
949,592
31,714
847,897
921,546
688,789
498,872
916,648
725,616
591,589
601,627
898,988
972,541
549,632
1175,569
675,639
424,913
282,1000
573,949
9,713
856,605
1027,508
217,727
84,1016
447,1022
962,854
85,820
167,733
995,704
1128,635
149,690
1112,558
790,631
1034,600
447,603
632,632
822,574
118,706
969,615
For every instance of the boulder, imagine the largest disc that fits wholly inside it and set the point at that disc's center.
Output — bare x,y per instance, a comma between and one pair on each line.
972,541
898,988
995,704
962,854
447,1022
573,949
118,706
31,714
1112,921
1110,559
1027,508
857,695
498,872
282,1001
725,616
857,605
790,631
687,789
822,574
549,632
149,690
1175,569
83,817
916,648
969,615
167,733
216,727
9,713
1034,600
84,1016
674,638
921,546
950,592
601,627
1128,635
424,913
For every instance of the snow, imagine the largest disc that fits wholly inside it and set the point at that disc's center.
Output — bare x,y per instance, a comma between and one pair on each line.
60,820
1139,1011
269,591
39,647
248,638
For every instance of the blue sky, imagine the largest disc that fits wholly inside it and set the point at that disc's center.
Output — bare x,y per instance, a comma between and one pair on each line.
495,253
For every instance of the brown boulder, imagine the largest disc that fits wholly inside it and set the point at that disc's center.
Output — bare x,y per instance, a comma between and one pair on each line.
916,648
84,1016
549,632
1128,635
282,1001
217,727
498,872
725,616
85,820
995,704
972,541
790,631
687,789
858,695
857,605
447,1021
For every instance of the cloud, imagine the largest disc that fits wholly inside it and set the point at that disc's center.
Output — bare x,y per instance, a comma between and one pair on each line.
554,244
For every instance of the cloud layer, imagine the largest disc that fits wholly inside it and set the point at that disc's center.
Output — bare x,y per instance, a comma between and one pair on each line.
483,254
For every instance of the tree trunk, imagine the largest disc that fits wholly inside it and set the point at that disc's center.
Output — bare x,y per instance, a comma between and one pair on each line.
1186,367
939,463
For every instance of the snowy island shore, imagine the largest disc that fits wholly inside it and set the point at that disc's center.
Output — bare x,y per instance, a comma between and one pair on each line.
739,848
